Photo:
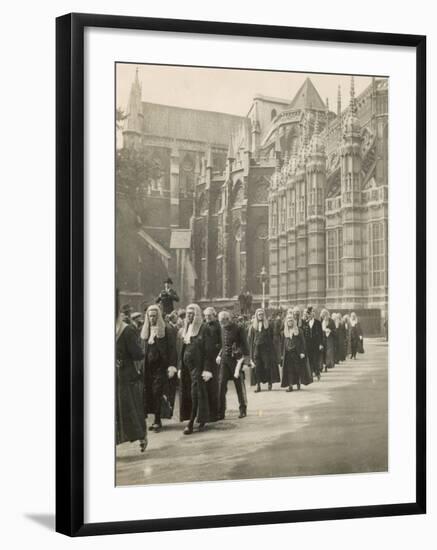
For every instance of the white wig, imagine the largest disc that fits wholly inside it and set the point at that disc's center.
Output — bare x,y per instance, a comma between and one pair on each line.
255,320
197,321
294,329
324,313
224,314
145,331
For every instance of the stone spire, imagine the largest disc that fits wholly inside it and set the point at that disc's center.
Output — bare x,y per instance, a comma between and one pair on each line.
352,122
317,145
256,129
135,118
316,125
339,101
352,102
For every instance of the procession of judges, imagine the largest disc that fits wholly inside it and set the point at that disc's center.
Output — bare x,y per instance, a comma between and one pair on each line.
165,350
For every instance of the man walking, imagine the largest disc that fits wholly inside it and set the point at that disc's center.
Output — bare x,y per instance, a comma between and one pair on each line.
314,341
159,362
234,347
213,344
194,372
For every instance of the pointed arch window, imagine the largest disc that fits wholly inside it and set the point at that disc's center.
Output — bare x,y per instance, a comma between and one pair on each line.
377,254
334,255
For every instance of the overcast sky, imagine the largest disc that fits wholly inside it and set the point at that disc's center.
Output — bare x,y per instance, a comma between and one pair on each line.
225,90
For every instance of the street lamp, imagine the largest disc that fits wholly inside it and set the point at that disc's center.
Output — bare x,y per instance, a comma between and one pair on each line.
263,276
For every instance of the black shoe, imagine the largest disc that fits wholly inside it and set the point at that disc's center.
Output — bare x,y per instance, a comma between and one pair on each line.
289,389
258,389
202,427
269,387
188,430
143,445
242,414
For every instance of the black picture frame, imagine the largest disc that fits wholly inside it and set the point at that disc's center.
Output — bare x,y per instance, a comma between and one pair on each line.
70,273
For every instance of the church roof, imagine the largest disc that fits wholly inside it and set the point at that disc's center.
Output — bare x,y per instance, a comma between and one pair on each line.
307,97
190,124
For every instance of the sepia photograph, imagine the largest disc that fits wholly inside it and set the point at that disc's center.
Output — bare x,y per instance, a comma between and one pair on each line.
251,274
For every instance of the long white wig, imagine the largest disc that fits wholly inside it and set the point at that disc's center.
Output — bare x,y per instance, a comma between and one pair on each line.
255,320
294,329
145,331
197,321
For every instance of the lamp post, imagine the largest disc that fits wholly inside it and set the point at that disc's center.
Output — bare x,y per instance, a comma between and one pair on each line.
263,276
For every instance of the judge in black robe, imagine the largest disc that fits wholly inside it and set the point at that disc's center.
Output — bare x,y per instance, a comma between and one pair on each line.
328,328
314,341
356,336
340,339
262,352
193,371
159,365
130,418
295,366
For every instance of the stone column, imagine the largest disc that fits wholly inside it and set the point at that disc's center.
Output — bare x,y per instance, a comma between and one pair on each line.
301,238
227,230
273,253
316,230
174,188
352,225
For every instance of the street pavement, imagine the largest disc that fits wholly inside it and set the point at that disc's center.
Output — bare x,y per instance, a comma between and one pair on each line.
337,425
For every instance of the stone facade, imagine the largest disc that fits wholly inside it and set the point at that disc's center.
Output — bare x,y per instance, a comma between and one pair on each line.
156,237
292,186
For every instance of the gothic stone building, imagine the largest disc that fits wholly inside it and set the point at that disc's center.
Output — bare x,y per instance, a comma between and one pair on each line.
154,228
292,186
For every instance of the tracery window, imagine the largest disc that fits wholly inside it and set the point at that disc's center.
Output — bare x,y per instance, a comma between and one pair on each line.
334,256
377,254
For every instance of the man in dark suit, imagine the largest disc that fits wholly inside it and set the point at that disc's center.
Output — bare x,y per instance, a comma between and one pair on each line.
167,297
314,340
234,346
213,344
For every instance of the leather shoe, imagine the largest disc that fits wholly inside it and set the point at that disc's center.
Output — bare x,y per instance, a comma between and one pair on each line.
242,414
188,430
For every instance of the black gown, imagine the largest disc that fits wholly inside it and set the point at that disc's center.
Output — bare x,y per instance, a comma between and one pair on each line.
130,418
295,369
194,401
263,354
